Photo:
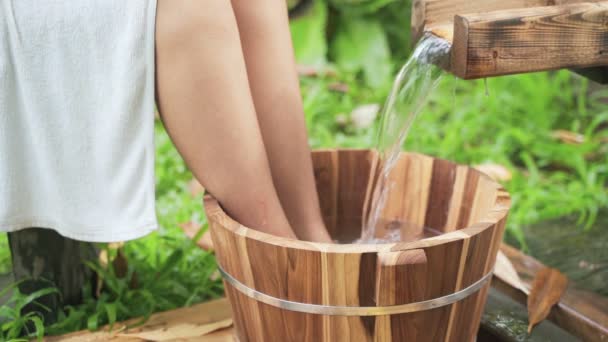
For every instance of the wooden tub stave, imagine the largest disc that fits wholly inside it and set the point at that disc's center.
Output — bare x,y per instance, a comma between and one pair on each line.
428,191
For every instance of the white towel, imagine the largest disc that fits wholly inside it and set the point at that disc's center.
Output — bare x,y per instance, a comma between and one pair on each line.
77,117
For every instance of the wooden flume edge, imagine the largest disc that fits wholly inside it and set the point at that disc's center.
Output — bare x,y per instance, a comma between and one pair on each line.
511,40
530,39
428,14
582,313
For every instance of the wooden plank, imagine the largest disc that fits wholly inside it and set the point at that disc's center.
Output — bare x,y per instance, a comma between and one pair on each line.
530,39
194,316
505,320
429,14
597,74
580,312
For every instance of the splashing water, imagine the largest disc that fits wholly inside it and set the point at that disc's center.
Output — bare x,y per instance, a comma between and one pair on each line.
411,89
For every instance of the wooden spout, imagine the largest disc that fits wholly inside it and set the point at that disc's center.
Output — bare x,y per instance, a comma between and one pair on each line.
493,38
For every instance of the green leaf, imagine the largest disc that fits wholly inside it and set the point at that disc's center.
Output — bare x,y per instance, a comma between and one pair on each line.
111,311
32,297
360,44
4,291
39,327
8,325
92,322
171,261
308,35
101,272
15,329
359,7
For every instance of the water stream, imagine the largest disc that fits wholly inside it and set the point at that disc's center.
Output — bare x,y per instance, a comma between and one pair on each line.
411,89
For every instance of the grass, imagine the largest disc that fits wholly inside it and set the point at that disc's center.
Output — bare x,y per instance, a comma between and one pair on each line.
512,126
5,258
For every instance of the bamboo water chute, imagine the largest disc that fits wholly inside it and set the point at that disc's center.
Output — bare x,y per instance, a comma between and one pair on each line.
493,38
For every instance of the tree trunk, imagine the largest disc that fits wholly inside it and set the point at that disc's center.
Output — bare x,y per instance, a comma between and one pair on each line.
42,258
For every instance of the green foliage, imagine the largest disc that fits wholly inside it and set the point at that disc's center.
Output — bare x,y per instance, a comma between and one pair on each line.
13,324
308,35
359,7
395,19
5,257
512,126
360,44
363,35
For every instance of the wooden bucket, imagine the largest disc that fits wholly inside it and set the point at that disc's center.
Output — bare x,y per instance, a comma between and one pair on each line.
433,289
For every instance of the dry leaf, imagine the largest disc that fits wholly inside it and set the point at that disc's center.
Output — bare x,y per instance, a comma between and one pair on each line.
216,275
363,116
100,336
224,335
103,255
98,286
205,242
307,70
191,229
134,282
121,269
104,260
588,266
314,71
568,137
339,87
195,188
120,264
495,171
180,331
505,270
341,120
547,289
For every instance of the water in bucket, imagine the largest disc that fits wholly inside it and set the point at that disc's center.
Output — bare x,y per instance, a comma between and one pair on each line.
411,89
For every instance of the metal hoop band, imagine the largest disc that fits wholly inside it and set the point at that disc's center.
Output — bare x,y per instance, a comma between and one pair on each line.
354,310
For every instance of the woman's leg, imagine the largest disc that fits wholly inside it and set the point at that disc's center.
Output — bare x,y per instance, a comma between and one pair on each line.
206,106
264,30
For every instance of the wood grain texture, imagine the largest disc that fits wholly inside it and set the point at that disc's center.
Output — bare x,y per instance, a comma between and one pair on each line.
426,192
530,39
547,289
580,312
431,14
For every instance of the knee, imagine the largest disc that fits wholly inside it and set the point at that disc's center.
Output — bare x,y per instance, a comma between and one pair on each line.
183,22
